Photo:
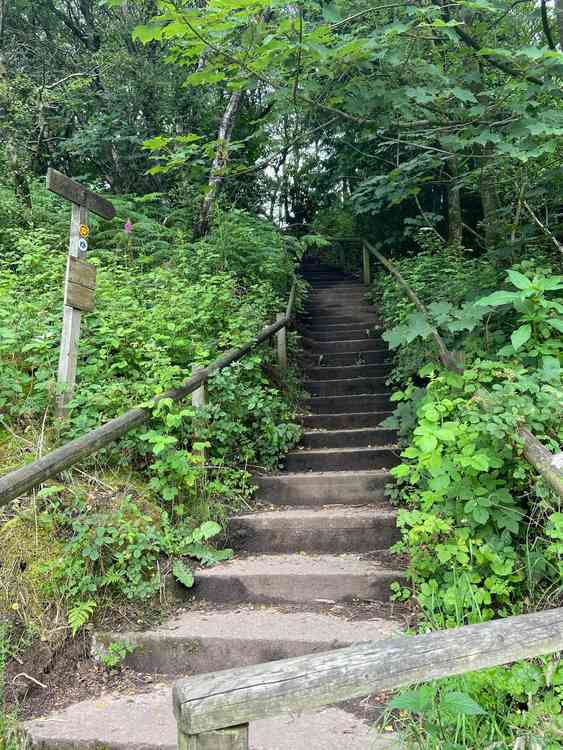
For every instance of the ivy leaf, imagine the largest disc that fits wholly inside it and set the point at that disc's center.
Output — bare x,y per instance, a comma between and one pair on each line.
521,335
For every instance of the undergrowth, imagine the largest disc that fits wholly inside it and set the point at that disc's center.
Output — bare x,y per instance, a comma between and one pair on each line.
482,532
155,503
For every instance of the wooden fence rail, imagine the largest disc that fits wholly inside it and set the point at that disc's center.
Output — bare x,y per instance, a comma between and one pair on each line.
17,482
213,710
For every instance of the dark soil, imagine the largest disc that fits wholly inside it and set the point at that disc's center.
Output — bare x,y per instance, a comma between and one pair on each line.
44,677
62,677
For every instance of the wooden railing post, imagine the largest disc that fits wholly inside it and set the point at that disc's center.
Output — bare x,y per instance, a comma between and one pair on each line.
235,738
281,341
199,400
367,265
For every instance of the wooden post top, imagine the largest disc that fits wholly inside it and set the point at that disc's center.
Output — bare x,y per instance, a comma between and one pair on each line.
76,193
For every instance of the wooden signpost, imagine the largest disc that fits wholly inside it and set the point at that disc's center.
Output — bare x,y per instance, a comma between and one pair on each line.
80,281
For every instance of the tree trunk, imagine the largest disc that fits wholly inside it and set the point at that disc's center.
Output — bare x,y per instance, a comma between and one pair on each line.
15,166
489,202
455,223
559,14
220,162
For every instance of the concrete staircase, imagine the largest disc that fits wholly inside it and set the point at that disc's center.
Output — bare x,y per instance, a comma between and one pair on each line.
312,570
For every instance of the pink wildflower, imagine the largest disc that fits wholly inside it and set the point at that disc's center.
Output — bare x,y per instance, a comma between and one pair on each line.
128,227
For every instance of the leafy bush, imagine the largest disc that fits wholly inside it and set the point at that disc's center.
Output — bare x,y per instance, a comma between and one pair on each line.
118,552
482,533
164,303
518,707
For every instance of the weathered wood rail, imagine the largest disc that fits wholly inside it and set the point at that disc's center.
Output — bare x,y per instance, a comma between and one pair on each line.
18,482
213,711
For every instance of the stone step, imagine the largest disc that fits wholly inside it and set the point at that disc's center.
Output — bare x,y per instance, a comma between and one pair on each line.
342,459
317,324
347,404
337,285
334,319
200,641
296,579
345,387
347,372
338,309
323,488
335,529
145,721
343,359
349,438
350,296
348,421
344,334
345,347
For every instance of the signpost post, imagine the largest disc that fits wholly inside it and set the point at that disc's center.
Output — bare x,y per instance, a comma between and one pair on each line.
80,280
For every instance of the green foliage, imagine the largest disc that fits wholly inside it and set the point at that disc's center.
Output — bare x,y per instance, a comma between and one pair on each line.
163,304
518,706
463,480
118,553
116,653
481,532
540,317
6,720
79,614
465,522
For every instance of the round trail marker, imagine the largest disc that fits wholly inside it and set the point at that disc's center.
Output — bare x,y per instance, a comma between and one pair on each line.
84,231
82,245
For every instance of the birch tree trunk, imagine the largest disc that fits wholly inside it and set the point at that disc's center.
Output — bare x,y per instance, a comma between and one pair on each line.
220,161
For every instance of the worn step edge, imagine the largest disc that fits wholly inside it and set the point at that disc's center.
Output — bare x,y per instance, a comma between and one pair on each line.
362,437
296,579
332,530
197,642
323,488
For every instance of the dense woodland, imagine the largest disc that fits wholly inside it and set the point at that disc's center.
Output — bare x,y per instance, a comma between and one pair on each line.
234,138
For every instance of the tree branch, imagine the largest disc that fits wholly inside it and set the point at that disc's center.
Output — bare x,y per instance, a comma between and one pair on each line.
508,69
544,228
446,356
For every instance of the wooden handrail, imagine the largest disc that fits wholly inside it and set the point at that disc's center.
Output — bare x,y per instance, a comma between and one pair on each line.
207,703
19,481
